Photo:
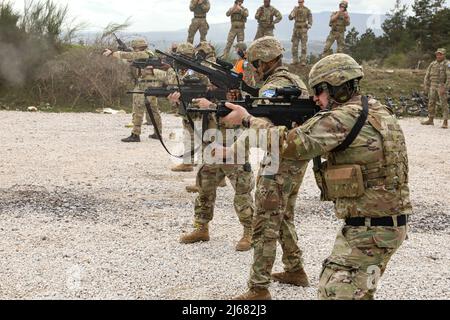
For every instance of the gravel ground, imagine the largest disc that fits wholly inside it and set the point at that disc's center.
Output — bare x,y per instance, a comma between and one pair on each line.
83,216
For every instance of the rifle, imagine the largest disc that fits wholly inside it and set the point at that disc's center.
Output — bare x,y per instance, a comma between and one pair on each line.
121,45
220,74
284,109
155,63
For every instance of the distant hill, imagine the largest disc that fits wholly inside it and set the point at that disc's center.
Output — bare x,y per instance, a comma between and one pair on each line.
218,32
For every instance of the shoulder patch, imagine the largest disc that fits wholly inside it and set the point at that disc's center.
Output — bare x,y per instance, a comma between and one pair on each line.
269,93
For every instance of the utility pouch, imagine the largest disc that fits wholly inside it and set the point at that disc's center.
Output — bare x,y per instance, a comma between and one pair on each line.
344,181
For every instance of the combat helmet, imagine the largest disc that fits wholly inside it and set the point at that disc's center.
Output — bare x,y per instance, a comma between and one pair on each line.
206,48
139,43
186,49
335,70
344,4
265,49
241,46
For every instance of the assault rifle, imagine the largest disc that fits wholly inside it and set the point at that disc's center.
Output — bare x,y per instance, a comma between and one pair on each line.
154,62
121,45
284,109
220,74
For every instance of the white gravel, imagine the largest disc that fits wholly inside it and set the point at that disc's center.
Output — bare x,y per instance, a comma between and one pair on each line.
84,216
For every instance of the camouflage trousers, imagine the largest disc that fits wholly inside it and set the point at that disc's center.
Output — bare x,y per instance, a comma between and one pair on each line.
139,110
264,32
235,32
299,35
434,97
275,201
198,24
358,261
243,182
337,36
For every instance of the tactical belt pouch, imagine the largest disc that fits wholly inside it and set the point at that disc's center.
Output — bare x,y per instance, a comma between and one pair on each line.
344,182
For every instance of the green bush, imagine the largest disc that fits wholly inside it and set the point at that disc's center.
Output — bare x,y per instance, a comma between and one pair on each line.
396,60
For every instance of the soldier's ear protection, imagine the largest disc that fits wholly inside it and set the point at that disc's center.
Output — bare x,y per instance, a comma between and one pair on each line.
344,92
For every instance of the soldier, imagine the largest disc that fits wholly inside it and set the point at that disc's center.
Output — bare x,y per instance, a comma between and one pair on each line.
339,22
436,85
239,16
276,194
200,8
267,17
242,66
144,79
366,175
212,176
303,22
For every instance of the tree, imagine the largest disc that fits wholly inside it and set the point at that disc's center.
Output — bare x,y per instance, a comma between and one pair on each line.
394,27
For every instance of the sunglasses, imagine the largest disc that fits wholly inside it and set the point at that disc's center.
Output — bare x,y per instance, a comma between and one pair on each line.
319,89
256,64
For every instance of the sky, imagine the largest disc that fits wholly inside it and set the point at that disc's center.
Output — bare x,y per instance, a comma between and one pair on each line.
170,15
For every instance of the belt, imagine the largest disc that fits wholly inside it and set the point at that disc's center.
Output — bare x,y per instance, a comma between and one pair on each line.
394,221
148,81
200,17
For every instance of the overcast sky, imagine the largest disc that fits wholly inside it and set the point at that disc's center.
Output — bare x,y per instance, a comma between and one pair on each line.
167,15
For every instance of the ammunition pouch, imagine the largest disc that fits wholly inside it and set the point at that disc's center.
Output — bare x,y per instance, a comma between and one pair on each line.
345,181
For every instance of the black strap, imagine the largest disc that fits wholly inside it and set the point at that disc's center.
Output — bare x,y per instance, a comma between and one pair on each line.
357,128
377,222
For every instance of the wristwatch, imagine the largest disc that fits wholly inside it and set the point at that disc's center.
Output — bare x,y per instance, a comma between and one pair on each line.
246,122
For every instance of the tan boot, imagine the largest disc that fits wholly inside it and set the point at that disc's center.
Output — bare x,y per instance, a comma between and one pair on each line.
192,189
245,244
429,122
183,168
255,294
297,278
445,124
200,233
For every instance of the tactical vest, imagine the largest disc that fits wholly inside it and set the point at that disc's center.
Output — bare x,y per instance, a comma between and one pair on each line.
238,17
386,179
339,25
266,17
438,73
301,18
199,12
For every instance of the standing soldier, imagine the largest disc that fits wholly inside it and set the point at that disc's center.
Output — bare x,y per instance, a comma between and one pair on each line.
276,192
366,175
239,16
267,17
200,8
303,22
339,22
436,85
144,79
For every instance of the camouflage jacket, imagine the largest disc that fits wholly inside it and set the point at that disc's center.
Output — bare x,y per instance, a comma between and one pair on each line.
380,150
239,18
302,16
437,74
339,25
200,10
128,57
268,17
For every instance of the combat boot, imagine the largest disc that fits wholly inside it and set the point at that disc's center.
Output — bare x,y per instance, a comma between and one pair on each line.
132,138
445,124
255,294
183,168
429,122
245,244
192,189
297,278
200,233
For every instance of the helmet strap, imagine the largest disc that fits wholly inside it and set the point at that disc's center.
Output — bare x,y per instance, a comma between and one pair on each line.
344,92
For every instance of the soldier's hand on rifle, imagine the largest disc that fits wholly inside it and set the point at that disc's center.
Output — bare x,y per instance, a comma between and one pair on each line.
174,98
107,52
236,116
202,103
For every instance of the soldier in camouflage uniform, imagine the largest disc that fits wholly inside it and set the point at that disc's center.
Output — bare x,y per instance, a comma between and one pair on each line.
238,15
366,176
303,22
267,17
211,176
339,22
276,192
200,8
436,84
144,79
242,66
